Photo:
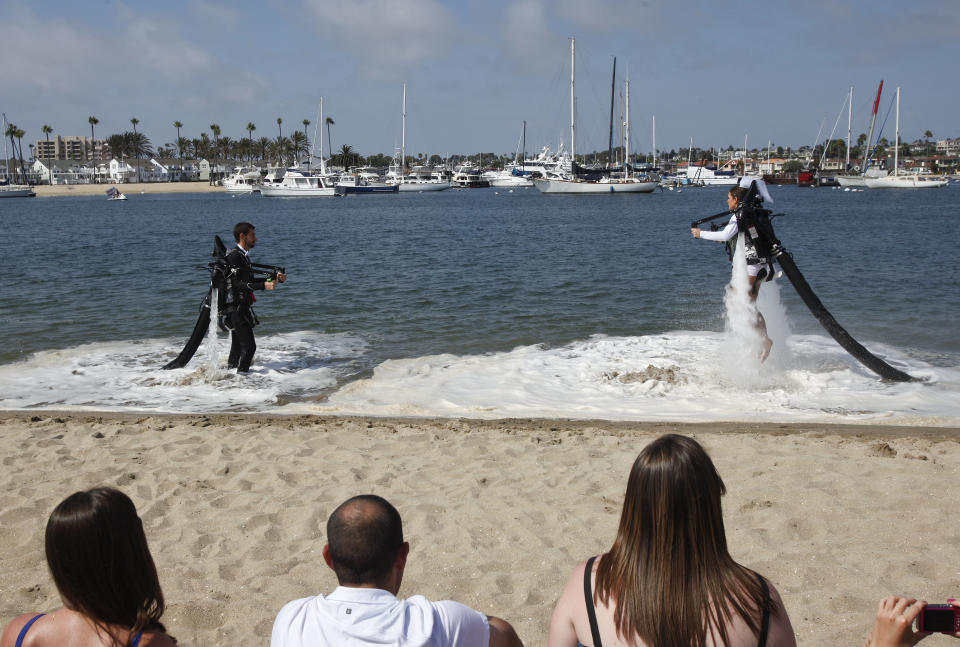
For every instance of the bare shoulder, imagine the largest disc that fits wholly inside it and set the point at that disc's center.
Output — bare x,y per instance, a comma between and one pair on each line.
781,630
156,640
13,629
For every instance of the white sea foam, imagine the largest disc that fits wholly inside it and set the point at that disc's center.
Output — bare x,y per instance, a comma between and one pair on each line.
678,376
674,376
126,376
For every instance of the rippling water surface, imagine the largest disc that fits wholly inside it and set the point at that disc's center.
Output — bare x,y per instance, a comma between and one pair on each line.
481,303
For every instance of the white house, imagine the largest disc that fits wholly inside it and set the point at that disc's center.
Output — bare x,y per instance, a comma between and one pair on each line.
120,171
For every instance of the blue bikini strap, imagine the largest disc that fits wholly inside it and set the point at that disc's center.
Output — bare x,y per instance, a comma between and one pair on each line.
26,627
136,639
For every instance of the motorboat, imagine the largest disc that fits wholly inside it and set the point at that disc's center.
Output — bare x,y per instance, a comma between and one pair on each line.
467,176
114,194
364,181
243,180
511,178
296,184
419,179
711,176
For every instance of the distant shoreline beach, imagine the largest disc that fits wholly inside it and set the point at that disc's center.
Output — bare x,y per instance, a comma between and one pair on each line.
497,512
129,189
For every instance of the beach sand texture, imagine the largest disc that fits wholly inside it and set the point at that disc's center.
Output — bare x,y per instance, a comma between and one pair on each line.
497,512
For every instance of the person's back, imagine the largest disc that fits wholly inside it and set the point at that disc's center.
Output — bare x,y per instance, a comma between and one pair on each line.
570,623
354,616
668,579
367,552
67,628
103,571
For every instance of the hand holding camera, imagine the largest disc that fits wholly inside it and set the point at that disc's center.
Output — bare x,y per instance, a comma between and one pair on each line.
895,617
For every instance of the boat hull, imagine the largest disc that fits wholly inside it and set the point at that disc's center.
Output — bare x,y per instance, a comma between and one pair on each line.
852,181
292,192
572,186
416,187
16,191
905,182
377,188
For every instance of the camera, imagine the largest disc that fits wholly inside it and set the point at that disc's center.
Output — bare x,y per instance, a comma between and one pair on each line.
943,618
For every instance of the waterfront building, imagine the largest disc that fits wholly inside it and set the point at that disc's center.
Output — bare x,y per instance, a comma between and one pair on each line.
72,147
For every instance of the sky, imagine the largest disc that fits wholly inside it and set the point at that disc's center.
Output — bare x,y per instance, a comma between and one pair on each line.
774,72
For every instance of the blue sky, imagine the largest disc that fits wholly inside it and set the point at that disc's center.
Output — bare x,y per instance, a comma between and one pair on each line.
715,71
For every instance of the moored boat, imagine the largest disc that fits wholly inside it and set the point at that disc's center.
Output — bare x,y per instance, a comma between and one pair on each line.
296,184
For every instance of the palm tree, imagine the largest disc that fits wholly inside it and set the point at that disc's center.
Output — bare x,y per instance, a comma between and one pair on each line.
178,126
298,142
346,152
306,141
135,121
93,121
329,122
46,133
215,129
263,142
250,128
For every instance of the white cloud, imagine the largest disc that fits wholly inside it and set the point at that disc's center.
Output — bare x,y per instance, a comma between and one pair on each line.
527,35
386,36
605,16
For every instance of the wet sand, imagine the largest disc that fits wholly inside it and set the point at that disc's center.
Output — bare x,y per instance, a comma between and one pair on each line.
497,512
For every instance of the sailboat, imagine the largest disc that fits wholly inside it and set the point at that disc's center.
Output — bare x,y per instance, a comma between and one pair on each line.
907,181
860,180
625,183
420,179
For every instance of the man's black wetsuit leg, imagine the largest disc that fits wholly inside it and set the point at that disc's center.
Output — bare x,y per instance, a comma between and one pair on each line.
242,344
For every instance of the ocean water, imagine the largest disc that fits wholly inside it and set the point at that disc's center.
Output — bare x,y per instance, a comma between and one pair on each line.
483,303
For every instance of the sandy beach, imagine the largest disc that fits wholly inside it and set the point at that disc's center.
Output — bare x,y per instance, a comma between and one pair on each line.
497,512
130,190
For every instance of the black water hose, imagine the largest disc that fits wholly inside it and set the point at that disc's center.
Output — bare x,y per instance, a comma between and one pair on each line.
199,332
830,324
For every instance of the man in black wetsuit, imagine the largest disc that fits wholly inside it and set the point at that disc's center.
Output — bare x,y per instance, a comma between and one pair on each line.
241,283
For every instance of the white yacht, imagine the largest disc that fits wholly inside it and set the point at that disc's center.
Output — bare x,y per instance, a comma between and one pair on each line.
297,184
242,180
512,178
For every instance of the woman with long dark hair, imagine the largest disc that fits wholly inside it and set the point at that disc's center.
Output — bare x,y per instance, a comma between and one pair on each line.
668,579
102,568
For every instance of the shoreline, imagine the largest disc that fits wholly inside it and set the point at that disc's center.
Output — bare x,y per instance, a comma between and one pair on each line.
130,189
498,512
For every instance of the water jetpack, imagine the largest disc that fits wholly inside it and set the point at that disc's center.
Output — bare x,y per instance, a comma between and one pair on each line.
754,222
220,273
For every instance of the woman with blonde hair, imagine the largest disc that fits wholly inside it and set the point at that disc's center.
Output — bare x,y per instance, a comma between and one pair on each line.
102,568
669,580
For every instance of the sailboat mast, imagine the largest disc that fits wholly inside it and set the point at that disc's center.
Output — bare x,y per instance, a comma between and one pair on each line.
6,158
613,90
849,125
626,131
573,131
323,164
896,141
873,121
655,141
523,152
403,129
